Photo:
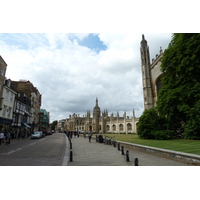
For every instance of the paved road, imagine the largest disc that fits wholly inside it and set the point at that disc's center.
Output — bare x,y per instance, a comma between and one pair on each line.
98,154
47,151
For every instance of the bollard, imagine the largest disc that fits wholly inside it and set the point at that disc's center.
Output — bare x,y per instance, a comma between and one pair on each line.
71,156
122,150
127,156
119,146
114,143
136,162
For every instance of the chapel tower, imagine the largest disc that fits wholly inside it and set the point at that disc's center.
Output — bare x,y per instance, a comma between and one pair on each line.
96,117
146,75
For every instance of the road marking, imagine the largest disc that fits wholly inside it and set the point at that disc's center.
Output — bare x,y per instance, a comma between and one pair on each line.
18,149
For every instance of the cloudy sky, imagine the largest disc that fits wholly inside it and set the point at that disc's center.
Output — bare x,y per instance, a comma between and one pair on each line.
71,70
76,51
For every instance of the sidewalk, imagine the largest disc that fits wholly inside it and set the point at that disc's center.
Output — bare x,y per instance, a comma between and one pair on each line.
99,154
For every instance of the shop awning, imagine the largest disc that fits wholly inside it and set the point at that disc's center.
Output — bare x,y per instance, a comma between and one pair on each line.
26,125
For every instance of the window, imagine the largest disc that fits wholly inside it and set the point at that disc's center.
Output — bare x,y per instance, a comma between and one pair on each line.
129,127
11,97
114,127
108,128
9,112
4,111
121,127
7,95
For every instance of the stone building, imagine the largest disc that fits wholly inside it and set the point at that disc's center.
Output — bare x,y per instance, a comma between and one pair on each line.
3,67
101,122
151,75
35,97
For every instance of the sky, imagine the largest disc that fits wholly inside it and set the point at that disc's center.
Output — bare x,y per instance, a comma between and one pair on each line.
71,70
78,51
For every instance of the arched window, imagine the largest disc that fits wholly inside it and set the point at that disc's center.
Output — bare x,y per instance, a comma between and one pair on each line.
114,127
121,128
129,127
158,83
107,128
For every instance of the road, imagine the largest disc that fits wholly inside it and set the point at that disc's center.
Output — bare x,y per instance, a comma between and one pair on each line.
47,151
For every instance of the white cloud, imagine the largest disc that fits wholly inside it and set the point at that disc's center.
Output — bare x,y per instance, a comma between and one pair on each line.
70,76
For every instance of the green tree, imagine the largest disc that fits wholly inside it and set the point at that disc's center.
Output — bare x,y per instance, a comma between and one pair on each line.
53,124
153,126
179,96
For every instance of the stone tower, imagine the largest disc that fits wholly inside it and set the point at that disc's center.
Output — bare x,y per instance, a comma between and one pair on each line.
96,117
146,75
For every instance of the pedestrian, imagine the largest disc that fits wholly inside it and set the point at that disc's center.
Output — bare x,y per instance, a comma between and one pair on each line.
90,136
18,136
8,138
1,137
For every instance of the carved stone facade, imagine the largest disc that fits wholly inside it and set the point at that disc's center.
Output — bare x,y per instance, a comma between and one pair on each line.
101,123
151,75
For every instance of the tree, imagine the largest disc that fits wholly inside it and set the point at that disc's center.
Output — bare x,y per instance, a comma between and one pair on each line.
153,126
53,124
178,99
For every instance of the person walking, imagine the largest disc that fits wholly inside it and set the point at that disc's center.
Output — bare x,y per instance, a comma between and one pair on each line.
18,136
90,136
1,137
8,138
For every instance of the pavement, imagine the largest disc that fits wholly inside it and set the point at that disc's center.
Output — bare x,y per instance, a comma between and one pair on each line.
85,153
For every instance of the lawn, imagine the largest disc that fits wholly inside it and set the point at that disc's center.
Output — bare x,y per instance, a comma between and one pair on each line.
182,145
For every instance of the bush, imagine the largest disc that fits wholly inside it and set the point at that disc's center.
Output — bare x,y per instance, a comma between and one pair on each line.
153,126
163,135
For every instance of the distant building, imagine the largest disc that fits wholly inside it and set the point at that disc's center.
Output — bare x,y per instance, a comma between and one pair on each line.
101,122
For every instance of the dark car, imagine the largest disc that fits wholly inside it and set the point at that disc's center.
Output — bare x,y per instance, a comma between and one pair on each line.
49,133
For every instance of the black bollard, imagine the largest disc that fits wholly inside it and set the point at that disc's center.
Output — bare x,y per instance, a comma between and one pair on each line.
136,162
71,156
119,146
122,150
114,143
127,156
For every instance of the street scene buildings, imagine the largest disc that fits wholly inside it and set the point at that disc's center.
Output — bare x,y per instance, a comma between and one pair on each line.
20,104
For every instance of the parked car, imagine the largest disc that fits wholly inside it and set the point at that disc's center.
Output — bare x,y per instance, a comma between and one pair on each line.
49,133
37,134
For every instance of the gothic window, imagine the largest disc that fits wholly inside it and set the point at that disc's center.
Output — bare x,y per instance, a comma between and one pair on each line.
107,128
114,127
129,127
121,127
158,84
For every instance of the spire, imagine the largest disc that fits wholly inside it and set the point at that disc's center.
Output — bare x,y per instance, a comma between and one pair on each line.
96,101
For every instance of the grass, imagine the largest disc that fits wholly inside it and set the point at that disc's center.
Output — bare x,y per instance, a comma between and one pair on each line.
182,145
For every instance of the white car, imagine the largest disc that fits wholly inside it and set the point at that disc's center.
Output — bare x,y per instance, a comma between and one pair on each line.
37,134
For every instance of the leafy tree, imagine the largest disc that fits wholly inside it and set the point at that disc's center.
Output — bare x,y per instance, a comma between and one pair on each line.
53,124
153,126
178,99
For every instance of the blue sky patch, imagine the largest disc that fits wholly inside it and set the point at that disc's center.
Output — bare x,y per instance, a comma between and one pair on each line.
93,42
